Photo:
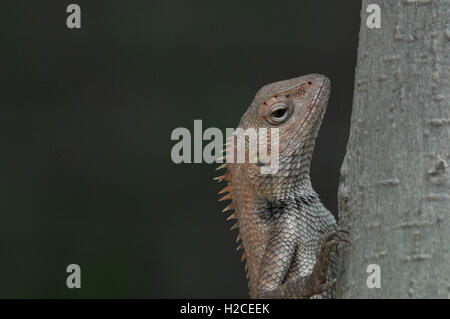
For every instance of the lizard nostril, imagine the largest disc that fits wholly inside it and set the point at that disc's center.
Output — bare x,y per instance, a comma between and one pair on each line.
310,83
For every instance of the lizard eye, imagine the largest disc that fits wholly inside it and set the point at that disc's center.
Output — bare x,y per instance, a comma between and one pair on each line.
279,113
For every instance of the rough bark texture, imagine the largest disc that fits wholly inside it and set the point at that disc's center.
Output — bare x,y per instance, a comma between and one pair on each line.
394,194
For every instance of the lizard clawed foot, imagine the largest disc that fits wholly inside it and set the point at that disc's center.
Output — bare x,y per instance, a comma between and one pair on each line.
333,238
328,244
325,286
315,287
331,241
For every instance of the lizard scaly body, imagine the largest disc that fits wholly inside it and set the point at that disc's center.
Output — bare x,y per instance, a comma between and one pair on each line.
287,234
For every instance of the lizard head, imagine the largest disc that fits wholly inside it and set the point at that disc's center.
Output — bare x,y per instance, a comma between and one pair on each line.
295,109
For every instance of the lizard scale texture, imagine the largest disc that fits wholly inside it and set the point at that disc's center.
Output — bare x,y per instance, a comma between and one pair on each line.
287,235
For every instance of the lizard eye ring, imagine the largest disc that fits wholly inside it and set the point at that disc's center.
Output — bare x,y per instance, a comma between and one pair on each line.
279,113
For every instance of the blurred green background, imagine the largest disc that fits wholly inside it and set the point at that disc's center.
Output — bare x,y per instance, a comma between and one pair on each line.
86,116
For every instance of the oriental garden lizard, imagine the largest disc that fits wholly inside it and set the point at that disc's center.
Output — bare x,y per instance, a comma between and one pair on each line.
287,234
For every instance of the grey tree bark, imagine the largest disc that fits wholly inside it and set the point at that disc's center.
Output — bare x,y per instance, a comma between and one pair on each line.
394,194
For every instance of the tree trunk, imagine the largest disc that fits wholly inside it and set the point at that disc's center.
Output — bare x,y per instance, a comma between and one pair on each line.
394,194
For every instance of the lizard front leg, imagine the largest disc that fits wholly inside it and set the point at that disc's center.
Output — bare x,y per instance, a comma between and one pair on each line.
278,259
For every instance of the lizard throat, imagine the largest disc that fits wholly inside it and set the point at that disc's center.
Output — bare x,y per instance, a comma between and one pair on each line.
273,210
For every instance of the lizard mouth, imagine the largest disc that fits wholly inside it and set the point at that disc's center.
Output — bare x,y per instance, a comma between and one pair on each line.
313,110
312,106
318,96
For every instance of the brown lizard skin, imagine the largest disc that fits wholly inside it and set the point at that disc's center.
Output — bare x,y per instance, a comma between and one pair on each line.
288,236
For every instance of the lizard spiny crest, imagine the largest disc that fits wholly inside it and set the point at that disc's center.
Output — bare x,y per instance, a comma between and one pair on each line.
228,191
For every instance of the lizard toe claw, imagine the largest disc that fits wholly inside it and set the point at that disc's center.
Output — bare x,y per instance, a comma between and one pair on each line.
325,286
